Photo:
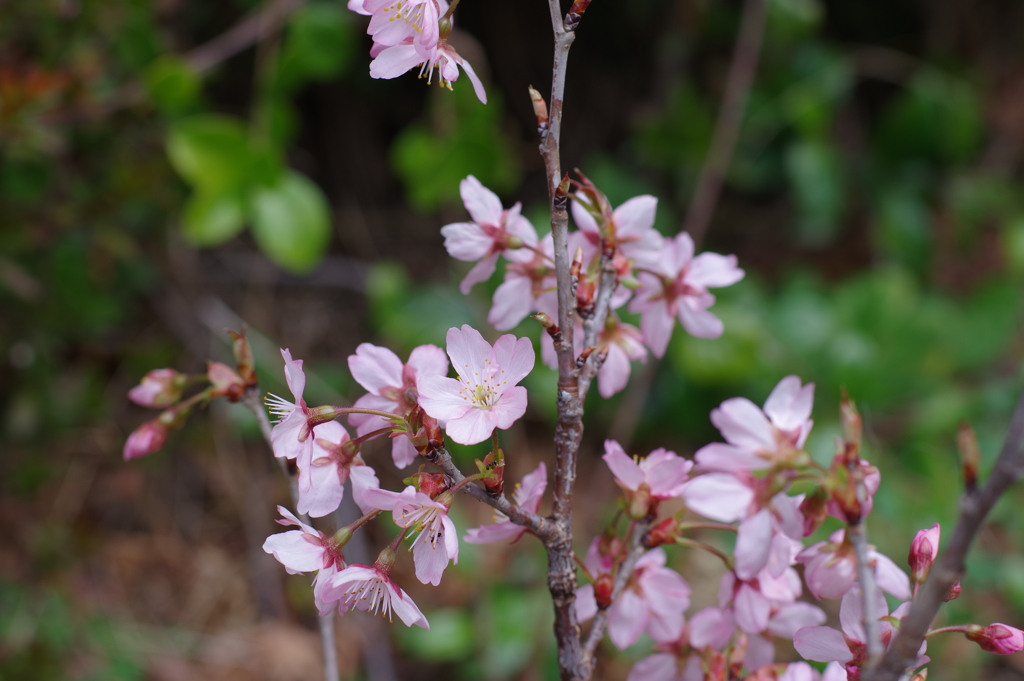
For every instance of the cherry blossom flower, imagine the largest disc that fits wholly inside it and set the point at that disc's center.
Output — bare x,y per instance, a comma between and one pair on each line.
674,662
306,550
830,569
661,475
370,588
654,600
330,467
625,343
394,60
633,225
492,231
766,603
924,549
527,496
294,433
848,647
485,395
759,439
395,21
392,387
529,285
434,538
159,388
146,439
677,286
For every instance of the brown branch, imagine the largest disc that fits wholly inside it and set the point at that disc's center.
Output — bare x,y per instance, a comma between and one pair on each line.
542,527
730,116
974,506
595,323
635,551
865,575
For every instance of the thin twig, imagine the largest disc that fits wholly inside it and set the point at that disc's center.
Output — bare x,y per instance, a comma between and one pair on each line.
592,327
973,508
251,399
636,550
865,575
730,116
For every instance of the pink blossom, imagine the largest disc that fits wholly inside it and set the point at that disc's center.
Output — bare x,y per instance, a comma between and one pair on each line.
330,467
306,550
485,395
624,343
529,286
662,474
159,388
667,666
924,549
632,224
393,61
677,286
830,569
146,439
765,602
760,439
434,537
997,638
392,387
395,21
225,381
872,479
527,496
370,588
492,231
654,600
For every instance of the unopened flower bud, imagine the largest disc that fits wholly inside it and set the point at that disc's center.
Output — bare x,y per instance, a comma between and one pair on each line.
814,509
243,357
494,479
923,551
603,588
920,676
319,415
953,593
226,382
664,532
970,454
146,439
342,536
159,388
851,421
431,484
540,110
997,638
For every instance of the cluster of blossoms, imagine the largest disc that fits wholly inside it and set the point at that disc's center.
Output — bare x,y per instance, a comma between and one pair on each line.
743,486
414,33
660,278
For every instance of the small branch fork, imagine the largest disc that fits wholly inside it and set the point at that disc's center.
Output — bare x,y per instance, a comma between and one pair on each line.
974,506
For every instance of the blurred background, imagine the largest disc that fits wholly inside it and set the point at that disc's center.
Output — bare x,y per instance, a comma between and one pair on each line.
170,168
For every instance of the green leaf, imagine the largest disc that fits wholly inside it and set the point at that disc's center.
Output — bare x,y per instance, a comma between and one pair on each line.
813,168
292,222
215,154
172,85
211,219
319,45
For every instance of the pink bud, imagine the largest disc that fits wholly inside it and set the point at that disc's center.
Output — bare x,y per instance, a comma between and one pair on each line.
159,388
146,439
997,638
603,588
664,532
226,382
953,593
923,551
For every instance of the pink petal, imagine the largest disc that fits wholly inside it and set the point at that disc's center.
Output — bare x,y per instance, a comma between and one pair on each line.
529,495
375,367
284,437
789,405
627,619
467,241
636,216
719,456
890,577
718,496
363,479
760,652
367,423
293,375
430,560
403,453
753,544
443,397
517,225
677,254
509,408
752,609
406,609
483,205
504,530
822,644
476,425
625,470
790,618
614,373
480,272
697,321
515,359
428,360
657,325
325,493
513,300
393,62
586,604
657,667
711,270
799,671
478,87
583,219
744,425
471,355
667,478
712,627
293,551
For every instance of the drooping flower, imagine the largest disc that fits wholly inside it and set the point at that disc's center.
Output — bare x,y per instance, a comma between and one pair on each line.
392,387
527,496
678,287
395,60
148,438
370,588
307,550
485,395
759,439
632,224
434,537
394,21
492,231
332,464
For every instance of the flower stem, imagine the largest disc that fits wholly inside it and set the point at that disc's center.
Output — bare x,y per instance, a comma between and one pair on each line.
683,541
369,436
373,412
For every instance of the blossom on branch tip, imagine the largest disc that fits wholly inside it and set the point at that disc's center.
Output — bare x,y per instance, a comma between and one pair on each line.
394,60
527,496
370,588
830,569
677,287
392,388
486,394
492,231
